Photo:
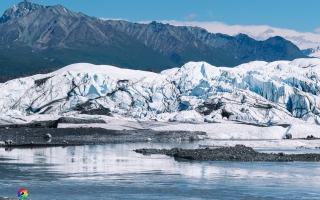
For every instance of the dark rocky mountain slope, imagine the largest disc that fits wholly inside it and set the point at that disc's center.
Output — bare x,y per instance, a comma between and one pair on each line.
35,37
172,40
245,49
53,36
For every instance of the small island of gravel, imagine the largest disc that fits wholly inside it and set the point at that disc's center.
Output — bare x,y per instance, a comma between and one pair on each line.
238,153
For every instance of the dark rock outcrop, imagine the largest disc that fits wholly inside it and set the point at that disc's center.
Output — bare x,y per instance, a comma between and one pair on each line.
288,136
47,136
8,142
311,137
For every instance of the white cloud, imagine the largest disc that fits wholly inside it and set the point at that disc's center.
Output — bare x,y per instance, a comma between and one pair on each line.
317,30
113,19
260,32
191,16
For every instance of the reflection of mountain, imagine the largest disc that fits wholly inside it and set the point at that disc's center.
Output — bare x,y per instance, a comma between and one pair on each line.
34,37
312,52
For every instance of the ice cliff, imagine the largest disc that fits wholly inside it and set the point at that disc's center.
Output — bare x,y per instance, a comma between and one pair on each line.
258,92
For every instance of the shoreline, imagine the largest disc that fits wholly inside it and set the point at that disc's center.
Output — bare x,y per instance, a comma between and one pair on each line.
238,153
35,137
74,133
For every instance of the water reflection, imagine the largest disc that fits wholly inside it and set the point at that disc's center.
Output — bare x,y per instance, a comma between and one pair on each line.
92,170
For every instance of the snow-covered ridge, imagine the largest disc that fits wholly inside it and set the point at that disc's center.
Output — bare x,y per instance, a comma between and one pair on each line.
312,52
257,92
316,53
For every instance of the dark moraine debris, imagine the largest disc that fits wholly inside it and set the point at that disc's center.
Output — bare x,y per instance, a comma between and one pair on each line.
311,137
47,136
53,123
288,136
38,124
104,111
7,142
42,81
239,153
40,137
70,120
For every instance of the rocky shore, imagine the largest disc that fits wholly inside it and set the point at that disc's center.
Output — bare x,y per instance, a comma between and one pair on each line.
37,137
239,153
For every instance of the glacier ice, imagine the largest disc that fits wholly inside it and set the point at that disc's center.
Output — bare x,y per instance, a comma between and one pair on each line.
257,92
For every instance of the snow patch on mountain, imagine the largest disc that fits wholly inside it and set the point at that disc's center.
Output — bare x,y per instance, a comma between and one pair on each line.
316,53
257,92
312,52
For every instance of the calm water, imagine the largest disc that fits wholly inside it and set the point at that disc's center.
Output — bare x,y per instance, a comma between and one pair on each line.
116,172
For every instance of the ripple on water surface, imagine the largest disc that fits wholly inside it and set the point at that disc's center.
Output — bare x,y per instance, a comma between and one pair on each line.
116,172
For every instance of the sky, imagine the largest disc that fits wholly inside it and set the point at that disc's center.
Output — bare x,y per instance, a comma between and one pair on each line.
296,20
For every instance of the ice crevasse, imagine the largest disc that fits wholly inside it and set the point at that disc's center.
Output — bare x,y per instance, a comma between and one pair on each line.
258,92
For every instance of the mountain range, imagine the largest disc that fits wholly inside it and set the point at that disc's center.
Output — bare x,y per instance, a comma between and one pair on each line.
312,52
36,37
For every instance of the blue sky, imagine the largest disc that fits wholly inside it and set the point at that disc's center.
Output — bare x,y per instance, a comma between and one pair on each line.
298,15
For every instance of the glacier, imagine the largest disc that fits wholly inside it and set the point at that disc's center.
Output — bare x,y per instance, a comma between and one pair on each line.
257,92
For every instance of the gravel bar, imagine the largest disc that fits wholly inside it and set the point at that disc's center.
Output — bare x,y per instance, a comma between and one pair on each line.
238,153
35,137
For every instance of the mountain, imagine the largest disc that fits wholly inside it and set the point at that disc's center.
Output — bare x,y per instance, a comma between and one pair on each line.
312,52
245,49
35,37
175,42
170,40
255,92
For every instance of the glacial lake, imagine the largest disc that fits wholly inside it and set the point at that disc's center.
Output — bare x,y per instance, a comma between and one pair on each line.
114,171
